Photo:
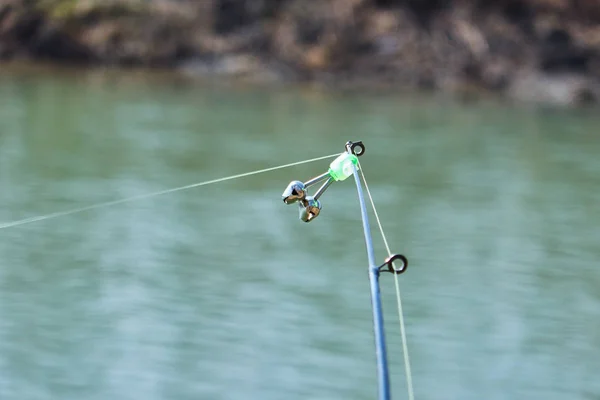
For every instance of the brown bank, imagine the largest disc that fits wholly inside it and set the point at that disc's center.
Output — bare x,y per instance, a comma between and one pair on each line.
538,50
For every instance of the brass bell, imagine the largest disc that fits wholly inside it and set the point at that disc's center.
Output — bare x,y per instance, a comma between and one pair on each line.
309,209
295,191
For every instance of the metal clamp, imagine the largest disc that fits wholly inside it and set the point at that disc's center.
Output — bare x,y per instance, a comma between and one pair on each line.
389,264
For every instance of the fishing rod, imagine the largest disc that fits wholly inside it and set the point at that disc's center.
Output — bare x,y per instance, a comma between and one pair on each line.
309,207
341,168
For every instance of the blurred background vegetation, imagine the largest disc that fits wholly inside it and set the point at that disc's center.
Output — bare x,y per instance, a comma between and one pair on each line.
546,50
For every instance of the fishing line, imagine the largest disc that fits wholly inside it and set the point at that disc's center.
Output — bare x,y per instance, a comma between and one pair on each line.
148,195
398,296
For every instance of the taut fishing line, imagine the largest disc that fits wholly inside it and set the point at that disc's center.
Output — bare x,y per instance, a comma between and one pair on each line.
148,195
398,296
309,207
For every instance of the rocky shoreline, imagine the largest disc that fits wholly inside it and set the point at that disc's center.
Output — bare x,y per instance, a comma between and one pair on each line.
532,50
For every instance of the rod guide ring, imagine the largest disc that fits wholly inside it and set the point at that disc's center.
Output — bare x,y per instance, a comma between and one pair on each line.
388,265
356,148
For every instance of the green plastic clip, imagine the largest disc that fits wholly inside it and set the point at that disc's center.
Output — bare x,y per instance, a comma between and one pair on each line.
341,167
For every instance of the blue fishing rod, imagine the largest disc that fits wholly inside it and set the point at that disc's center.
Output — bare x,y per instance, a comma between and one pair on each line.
309,207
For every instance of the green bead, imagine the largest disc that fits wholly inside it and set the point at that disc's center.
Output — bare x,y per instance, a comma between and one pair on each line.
341,167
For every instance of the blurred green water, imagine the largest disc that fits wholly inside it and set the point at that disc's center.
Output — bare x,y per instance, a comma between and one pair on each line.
221,293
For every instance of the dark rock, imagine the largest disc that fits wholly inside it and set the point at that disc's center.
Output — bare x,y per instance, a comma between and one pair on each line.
558,53
53,44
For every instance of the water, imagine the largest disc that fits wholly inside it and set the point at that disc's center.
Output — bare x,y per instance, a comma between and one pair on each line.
220,292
